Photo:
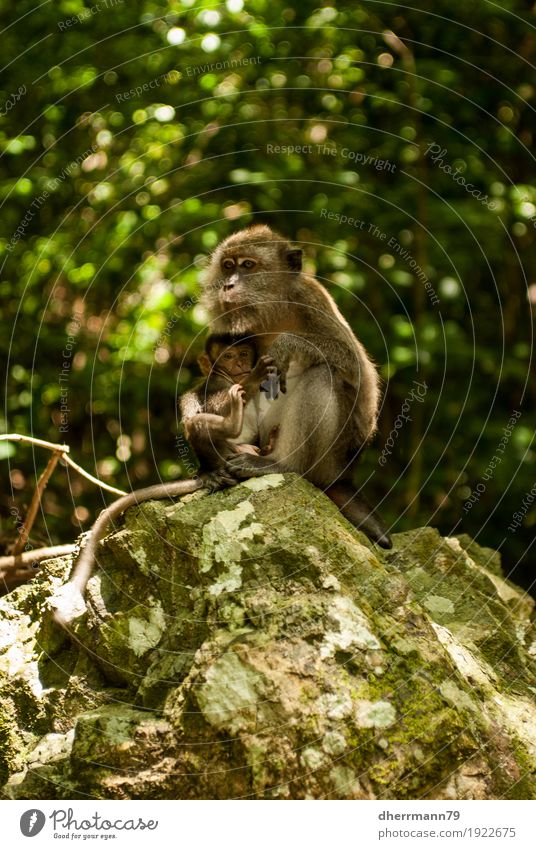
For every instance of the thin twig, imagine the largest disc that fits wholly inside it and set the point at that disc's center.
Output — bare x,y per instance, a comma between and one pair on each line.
16,564
18,437
64,450
9,579
13,562
91,478
35,502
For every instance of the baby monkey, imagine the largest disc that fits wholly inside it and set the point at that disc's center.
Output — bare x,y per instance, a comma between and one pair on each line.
221,414
216,421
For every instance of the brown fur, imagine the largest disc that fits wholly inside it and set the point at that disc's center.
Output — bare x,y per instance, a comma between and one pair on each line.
331,412
212,412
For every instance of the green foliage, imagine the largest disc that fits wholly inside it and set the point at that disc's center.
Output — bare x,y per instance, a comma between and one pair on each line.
135,137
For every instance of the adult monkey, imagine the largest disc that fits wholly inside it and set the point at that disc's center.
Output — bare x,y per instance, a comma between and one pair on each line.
255,285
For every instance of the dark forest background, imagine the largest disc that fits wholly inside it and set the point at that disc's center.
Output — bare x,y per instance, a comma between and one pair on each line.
135,135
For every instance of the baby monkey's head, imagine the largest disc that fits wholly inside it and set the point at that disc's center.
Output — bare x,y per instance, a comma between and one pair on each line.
231,355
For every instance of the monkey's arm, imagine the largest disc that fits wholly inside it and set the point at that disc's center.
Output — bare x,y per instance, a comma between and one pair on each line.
313,349
190,405
208,398
211,396
68,602
209,426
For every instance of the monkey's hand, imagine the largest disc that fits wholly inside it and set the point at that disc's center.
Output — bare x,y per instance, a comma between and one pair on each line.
237,393
234,420
262,370
282,351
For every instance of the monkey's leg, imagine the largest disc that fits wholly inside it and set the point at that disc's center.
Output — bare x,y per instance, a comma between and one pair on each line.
359,512
309,432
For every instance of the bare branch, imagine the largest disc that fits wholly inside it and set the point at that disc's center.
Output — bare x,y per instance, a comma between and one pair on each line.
91,478
63,451
18,437
35,502
13,562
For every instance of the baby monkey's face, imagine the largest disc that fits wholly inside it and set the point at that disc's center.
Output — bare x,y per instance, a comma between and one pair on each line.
236,360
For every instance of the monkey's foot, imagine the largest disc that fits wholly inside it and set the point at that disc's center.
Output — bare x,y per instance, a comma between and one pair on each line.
250,465
67,604
214,481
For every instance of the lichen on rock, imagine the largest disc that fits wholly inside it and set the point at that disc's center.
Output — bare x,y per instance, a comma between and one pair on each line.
252,644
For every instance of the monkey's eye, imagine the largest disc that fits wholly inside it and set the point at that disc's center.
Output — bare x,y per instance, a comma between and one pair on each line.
227,264
248,263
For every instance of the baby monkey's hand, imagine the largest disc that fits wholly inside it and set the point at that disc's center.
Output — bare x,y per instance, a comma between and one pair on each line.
237,396
233,421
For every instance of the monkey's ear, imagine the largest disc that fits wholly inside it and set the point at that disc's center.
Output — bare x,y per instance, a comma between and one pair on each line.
204,363
294,259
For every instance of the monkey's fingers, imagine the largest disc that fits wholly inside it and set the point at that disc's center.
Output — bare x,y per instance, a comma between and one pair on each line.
238,398
265,363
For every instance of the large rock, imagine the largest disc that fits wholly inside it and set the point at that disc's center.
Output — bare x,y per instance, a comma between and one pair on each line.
253,644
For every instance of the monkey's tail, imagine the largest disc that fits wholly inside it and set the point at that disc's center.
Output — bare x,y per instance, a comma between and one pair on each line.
68,601
84,566
359,512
